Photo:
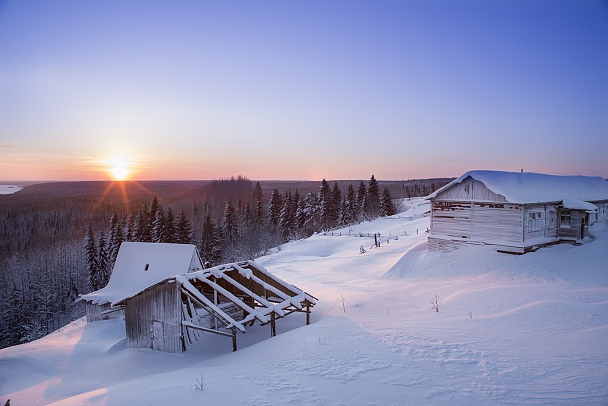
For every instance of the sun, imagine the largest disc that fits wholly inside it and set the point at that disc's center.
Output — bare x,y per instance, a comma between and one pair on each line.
120,173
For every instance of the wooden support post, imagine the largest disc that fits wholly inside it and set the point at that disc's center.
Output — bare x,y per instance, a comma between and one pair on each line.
233,339
273,325
376,240
307,312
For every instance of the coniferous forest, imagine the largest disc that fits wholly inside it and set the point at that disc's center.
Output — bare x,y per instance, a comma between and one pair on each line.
59,240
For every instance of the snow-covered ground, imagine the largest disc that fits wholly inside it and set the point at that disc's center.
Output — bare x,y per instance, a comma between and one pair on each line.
527,329
9,189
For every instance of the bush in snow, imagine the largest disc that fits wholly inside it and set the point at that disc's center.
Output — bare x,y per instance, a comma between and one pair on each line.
435,303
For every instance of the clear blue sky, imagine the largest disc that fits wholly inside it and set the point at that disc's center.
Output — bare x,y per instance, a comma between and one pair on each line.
302,89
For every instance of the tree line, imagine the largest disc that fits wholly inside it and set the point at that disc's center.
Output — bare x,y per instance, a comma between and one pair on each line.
245,229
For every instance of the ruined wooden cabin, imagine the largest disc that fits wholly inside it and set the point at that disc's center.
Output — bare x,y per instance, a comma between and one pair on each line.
172,312
516,212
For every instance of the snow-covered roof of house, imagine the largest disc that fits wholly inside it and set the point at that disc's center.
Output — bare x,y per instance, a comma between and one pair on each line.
140,265
529,187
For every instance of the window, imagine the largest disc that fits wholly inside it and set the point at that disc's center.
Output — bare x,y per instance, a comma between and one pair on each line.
564,219
535,220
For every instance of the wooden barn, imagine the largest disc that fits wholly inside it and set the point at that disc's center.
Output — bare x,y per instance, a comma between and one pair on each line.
516,212
169,311
139,265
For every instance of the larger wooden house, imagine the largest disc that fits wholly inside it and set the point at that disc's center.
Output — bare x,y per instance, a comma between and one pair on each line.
516,212
169,311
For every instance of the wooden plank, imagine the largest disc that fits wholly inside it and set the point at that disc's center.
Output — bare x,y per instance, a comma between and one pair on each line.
208,330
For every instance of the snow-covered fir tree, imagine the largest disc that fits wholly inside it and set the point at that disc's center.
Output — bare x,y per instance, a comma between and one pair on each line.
373,198
387,205
103,266
91,262
184,229
210,248
115,239
274,208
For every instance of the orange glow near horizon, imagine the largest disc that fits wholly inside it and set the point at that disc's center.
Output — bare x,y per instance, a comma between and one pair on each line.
120,173
119,169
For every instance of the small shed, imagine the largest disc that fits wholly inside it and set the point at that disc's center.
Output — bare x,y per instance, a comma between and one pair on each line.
516,212
139,265
168,303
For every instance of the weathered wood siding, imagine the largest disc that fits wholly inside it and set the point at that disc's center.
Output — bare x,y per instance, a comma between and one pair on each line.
497,222
470,190
576,227
93,312
602,213
153,317
452,219
545,226
477,221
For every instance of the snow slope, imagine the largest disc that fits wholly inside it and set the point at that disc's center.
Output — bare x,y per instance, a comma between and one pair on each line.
523,329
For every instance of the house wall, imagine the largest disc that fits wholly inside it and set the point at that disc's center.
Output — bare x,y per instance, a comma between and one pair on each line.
470,190
540,221
481,222
452,219
153,319
602,213
571,230
93,312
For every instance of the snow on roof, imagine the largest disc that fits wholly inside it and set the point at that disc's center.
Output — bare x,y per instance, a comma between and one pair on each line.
574,204
529,187
140,265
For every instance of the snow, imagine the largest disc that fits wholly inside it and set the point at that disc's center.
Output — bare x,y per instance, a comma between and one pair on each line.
528,187
512,329
140,265
574,204
9,189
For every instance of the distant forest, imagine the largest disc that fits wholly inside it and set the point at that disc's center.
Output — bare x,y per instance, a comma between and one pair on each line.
59,240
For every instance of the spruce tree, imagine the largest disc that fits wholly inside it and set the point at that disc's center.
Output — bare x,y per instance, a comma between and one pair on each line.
311,214
230,224
350,206
336,203
143,226
210,246
184,229
325,202
373,198
361,201
170,228
258,201
274,207
300,217
91,261
158,228
387,206
286,220
103,266
116,238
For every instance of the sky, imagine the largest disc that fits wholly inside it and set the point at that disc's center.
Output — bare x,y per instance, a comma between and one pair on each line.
301,89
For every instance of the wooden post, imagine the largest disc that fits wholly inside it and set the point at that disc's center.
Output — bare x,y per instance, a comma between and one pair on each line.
273,325
233,339
307,312
376,240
